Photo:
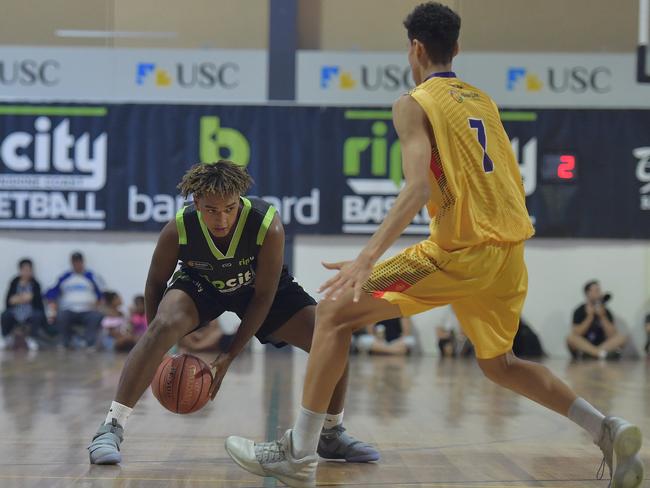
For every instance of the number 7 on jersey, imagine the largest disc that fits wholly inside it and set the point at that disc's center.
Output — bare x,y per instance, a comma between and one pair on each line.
488,165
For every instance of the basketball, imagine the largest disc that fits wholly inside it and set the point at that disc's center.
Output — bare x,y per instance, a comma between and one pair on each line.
181,383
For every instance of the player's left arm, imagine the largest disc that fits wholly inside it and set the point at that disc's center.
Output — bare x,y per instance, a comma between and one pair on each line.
414,133
267,276
412,127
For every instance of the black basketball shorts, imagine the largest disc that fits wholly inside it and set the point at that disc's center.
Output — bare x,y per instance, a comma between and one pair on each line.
289,299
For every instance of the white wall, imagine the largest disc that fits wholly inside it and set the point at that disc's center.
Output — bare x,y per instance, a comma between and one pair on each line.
557,271
120,259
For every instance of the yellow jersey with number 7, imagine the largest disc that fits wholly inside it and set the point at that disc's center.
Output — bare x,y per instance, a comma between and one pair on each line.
477,188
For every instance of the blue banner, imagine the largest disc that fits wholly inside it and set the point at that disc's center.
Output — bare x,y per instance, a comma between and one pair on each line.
328,170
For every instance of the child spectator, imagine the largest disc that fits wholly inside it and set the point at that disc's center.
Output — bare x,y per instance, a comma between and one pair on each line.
115,329
138,319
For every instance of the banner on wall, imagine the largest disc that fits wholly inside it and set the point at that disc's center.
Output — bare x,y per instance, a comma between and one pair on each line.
133,75
539,80
327,170
219,76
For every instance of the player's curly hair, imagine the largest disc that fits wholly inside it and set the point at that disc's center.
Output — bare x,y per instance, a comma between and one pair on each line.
437,27
221,178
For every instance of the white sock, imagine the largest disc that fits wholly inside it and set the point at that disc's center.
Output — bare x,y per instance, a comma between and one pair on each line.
118,412
306,432
332,420
586,416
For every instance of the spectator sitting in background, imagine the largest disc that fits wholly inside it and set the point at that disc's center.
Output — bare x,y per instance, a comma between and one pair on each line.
24,305
137,317
451,340
392,337
115,334
594,333
217,336
76,295
526,343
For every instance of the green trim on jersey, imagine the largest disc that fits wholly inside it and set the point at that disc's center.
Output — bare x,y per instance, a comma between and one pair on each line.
234,242
180,226
268,218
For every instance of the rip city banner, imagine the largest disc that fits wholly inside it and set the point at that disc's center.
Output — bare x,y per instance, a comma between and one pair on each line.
334,170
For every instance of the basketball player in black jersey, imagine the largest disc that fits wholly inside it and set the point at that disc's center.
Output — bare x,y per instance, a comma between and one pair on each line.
231,252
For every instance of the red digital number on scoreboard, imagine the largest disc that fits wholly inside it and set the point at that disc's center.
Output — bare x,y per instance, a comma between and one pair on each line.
559,167
567,166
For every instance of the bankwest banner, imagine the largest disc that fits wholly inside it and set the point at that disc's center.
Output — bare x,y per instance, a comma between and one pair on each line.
132,75
327,170
529,80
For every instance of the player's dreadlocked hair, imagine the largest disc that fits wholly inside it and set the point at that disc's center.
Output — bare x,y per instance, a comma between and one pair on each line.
220,178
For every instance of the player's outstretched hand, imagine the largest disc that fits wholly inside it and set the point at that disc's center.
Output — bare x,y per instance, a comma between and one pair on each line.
221,365
351,274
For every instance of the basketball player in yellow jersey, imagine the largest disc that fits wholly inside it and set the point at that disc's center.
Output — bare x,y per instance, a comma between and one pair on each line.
458,161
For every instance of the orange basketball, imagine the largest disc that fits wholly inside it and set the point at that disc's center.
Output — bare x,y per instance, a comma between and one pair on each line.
182,383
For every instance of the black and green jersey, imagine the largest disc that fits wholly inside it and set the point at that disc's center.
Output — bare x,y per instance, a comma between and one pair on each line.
231,272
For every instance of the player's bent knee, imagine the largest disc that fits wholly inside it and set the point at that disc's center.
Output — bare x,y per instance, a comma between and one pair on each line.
328,314
164,329
338,312
334,316
496,369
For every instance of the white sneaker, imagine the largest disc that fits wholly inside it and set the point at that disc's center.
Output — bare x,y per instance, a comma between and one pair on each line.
620,442
32,345
274,459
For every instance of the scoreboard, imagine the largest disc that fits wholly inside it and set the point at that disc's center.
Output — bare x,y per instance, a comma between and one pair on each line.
586,172
561,168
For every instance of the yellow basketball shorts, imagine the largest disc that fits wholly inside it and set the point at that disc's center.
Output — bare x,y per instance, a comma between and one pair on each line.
486,285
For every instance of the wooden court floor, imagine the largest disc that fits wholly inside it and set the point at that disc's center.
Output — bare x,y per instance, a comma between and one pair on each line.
437,424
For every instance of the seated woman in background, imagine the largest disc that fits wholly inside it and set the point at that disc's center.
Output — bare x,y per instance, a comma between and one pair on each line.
216,336
393,337
205,339
115,334
24,306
